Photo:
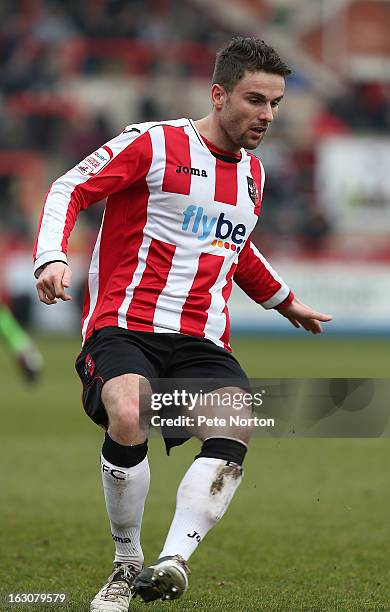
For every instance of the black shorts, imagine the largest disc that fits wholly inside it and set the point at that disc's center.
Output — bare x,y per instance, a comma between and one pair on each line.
113,351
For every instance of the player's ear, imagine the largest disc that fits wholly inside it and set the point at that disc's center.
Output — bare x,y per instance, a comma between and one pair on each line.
218,96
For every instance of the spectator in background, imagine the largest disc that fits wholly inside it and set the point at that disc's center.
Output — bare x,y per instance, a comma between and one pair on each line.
365,107
85,134
315,228
54,25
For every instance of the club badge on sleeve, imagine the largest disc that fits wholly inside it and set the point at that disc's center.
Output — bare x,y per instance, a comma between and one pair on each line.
95,162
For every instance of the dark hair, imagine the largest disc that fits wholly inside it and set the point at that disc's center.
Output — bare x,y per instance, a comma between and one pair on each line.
246,53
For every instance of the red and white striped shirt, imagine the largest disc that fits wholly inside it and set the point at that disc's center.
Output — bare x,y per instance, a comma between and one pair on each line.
174,235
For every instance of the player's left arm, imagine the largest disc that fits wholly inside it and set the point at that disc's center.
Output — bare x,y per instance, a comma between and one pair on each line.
258,279
301,315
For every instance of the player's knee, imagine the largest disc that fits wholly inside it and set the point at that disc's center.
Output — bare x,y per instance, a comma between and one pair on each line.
241,425
121,402
243,434
126,419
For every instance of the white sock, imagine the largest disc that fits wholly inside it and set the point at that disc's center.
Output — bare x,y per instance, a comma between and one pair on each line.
202,499
125,491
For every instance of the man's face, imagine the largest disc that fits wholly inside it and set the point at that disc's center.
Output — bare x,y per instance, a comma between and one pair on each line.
246,112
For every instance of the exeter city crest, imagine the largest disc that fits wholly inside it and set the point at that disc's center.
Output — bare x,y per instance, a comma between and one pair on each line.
252,190
89,366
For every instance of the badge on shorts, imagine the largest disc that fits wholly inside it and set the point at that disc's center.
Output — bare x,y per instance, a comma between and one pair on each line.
89,366
252,190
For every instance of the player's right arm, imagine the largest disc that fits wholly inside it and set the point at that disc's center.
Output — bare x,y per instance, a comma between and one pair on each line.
52,282
113,168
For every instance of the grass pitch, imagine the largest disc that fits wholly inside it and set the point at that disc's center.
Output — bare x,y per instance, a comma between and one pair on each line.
307,531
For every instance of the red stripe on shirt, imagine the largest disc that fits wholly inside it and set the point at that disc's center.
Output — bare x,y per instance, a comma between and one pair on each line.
70,220
86,305
226,187
109,151
124,218
226,291
118,262
177,155
194,314
154,278
256,175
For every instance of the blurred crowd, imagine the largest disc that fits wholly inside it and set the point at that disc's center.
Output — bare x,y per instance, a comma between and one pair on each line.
46,44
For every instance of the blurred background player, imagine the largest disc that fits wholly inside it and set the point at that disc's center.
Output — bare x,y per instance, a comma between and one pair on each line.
21,346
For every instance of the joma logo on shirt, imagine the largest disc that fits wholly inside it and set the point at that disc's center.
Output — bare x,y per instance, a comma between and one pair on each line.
187,170
224,229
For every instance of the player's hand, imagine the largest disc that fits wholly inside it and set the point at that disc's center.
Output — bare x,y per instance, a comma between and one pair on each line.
301,315
52,282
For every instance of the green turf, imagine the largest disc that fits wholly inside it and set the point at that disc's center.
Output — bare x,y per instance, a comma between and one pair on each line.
308,356
308,529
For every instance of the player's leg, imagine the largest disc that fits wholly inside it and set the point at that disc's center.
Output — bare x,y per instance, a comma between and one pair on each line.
27,356
125,477
208,486
124,463
203,497
112,399
213,478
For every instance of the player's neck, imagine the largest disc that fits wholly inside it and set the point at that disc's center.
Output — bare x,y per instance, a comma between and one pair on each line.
211,130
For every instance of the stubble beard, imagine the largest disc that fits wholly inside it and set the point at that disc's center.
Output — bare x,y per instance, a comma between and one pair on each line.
258,143
241,139
230,136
